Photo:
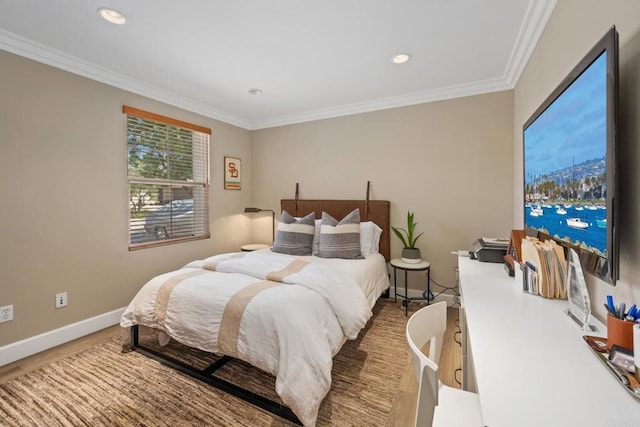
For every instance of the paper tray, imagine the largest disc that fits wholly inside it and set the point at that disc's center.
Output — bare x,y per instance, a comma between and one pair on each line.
599,347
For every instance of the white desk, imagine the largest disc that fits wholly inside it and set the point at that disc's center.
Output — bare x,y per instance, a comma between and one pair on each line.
532,367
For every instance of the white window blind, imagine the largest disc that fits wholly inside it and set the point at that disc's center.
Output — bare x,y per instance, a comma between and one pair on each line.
168,174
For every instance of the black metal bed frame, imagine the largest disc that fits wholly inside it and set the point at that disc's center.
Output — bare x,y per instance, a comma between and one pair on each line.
207,376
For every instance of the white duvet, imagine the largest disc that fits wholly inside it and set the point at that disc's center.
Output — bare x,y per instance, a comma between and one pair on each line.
291,330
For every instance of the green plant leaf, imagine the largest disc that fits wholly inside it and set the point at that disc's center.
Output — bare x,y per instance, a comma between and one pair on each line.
398,232
407,236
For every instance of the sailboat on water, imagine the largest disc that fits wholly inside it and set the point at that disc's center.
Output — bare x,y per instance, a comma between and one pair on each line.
577,223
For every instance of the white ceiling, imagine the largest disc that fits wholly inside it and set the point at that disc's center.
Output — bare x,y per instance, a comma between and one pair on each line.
312,59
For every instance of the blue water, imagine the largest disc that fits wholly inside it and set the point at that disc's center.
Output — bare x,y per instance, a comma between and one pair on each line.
555,224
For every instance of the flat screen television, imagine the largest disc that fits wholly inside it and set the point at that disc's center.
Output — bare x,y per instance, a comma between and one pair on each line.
570,162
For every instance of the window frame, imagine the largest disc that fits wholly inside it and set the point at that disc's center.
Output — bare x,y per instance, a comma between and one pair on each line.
203,170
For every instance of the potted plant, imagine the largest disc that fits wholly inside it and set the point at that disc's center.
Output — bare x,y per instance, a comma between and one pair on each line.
410,254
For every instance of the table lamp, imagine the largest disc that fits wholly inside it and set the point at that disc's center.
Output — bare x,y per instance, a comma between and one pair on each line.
273,219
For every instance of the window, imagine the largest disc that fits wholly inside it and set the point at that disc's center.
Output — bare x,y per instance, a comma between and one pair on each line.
168,174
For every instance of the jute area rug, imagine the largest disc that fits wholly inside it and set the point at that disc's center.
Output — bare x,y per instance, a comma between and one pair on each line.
104,387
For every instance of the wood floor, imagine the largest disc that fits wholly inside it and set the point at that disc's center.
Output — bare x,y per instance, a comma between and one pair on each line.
31,363
404,406
402,412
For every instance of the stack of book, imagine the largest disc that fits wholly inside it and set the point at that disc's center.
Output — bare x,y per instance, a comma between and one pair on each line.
544,268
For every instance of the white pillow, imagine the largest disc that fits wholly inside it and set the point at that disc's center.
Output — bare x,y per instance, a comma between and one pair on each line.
369,237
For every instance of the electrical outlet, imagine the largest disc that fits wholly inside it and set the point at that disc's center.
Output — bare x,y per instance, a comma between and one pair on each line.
6,313
61,300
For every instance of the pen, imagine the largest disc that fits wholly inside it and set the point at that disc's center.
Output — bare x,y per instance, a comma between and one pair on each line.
612,307
609,310
633,312
621,310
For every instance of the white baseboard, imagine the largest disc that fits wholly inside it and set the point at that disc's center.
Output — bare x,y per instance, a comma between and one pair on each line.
29,346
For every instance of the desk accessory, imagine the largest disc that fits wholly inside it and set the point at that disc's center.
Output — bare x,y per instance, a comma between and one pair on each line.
515,245
619,332
577,294
509,266
545,268
626,379
622,357
514,251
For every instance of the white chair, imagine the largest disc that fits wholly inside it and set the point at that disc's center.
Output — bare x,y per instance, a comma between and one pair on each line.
438,404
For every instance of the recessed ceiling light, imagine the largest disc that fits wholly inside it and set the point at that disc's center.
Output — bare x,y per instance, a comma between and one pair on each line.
254,91
401,58
112,16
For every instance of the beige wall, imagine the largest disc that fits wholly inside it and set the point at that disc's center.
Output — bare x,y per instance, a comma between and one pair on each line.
457,164
575,26
64,198
63,167
450,162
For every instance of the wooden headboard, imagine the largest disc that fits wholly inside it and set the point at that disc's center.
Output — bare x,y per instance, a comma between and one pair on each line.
371,210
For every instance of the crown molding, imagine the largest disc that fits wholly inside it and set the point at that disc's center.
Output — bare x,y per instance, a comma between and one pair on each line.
421,97
27,48
534,23
536,18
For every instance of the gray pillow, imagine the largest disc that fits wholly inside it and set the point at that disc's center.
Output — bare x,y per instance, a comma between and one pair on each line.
340,239
294,237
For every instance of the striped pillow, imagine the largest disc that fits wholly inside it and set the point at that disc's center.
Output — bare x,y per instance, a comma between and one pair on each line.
294,237
340,239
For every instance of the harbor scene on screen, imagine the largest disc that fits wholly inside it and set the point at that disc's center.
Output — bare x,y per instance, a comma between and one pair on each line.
565,164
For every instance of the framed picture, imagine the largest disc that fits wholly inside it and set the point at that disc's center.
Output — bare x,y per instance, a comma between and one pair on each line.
623,358
232,173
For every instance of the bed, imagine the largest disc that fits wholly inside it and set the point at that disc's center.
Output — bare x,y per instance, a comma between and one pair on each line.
283,313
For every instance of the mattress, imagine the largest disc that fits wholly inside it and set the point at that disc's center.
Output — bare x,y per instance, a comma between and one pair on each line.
286,315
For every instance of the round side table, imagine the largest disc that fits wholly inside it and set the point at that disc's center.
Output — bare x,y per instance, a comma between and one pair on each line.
398,264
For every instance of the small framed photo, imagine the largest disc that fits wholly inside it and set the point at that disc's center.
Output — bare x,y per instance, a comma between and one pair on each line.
622,357
232,173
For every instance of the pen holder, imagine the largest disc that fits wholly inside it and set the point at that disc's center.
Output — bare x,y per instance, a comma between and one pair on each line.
619,332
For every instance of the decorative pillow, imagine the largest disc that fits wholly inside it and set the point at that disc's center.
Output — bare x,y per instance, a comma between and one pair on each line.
340,239
369,237
294,237
316,237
